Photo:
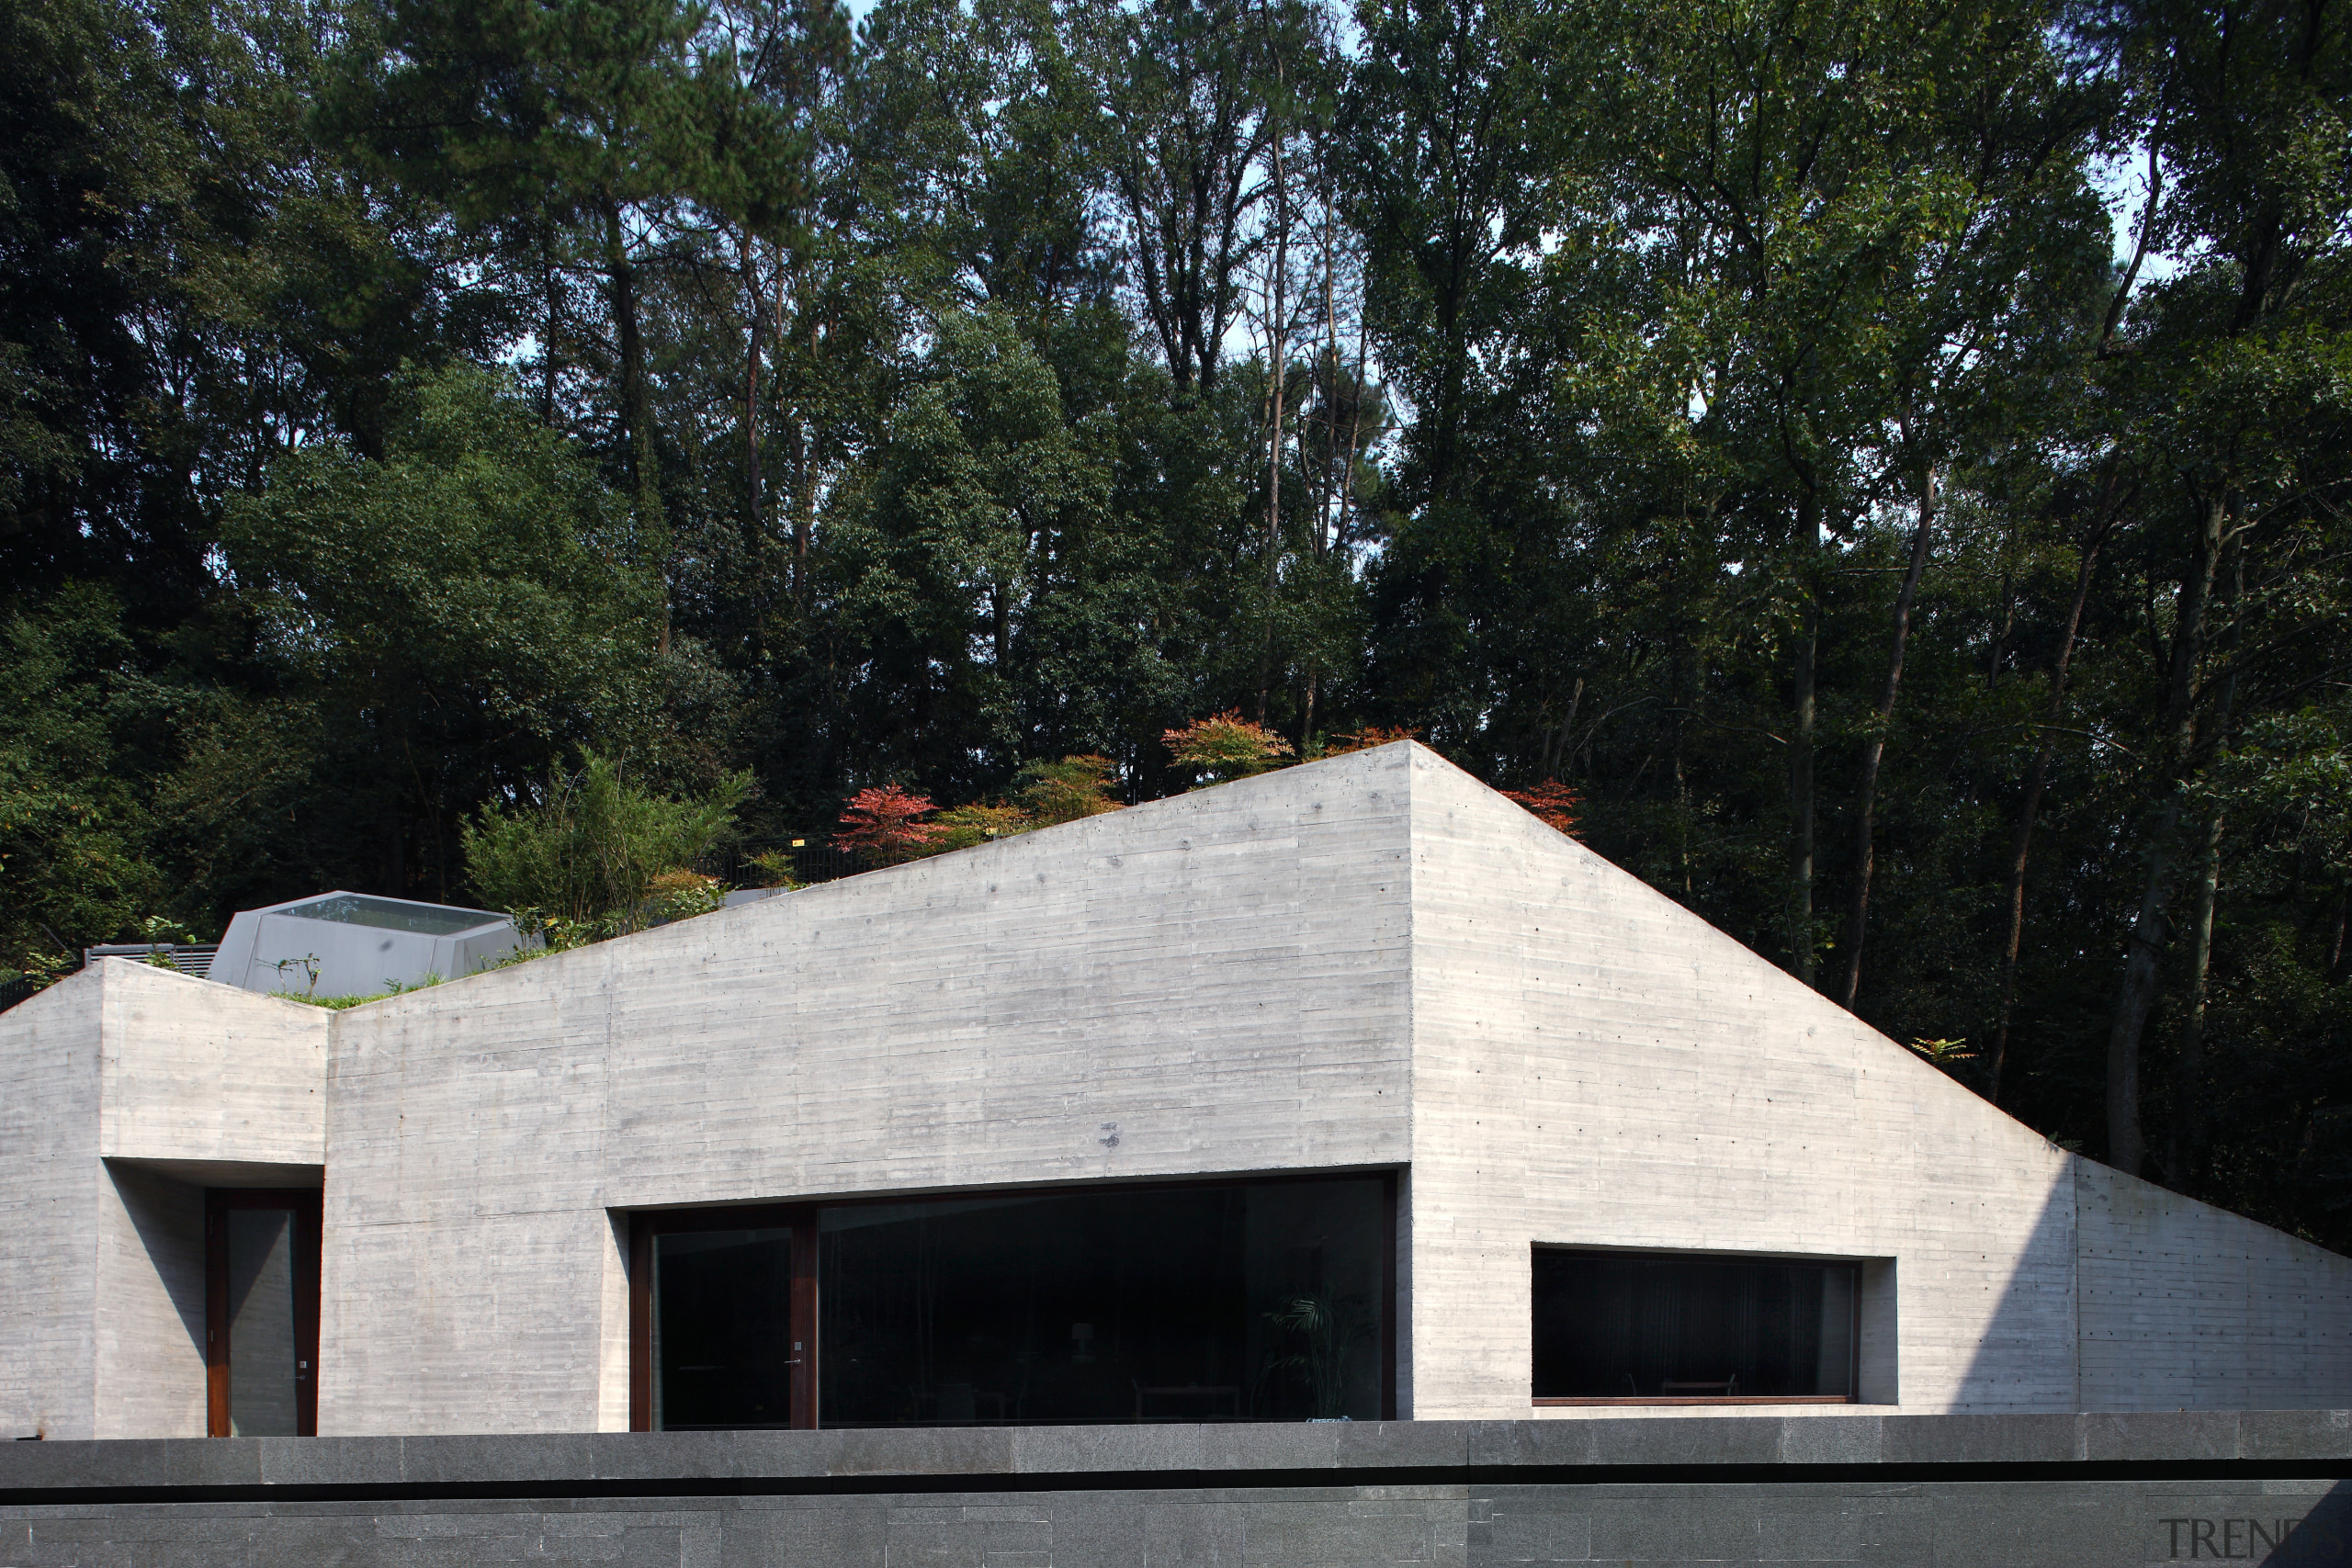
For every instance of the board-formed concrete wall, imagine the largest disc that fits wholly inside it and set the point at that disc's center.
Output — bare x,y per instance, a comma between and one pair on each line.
2187,1307
49,1205
1372,962
194,1075
1595,1066
1215,983
124,1089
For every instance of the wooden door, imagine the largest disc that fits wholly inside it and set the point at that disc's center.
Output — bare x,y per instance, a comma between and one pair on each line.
261,1312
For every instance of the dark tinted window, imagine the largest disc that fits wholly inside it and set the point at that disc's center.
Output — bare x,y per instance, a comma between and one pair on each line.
722,1328
1198,1304
1625,1326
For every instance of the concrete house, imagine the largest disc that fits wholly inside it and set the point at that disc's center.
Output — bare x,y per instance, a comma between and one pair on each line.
1347,1092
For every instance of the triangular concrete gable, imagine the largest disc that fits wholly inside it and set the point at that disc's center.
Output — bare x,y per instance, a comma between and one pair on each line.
1596,1065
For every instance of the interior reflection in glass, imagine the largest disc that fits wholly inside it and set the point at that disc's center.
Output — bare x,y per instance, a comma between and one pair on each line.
722,1329
1209,1303
261,1323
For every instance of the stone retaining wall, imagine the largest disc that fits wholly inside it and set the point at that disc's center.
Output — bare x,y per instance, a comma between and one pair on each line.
2072,1491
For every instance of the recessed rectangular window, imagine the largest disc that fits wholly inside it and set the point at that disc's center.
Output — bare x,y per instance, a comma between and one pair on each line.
1651,1328
1264,1302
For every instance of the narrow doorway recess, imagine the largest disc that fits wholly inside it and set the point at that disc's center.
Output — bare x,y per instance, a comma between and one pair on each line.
261,1312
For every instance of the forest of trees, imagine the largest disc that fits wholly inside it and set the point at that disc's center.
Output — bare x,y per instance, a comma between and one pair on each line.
1888,458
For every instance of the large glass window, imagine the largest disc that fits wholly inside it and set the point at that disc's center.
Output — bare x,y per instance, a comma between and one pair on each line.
1648,1328
722,1301
1261,1301
723,1350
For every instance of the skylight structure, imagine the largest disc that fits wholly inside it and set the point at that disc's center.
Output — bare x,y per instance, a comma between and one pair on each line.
343,945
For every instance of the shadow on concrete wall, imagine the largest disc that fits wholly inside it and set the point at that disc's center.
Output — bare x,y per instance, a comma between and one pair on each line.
2267,1526
168,1217
2026,1357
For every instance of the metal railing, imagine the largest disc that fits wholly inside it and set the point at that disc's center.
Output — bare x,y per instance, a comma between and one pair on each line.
812,861
192,959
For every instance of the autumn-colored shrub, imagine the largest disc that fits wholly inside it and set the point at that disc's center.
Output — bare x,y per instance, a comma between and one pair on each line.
1066,790
881,826
1364,740
1226,746
679,893
1552,802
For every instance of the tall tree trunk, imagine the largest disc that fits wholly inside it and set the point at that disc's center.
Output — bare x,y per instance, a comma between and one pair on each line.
1331,363
1555,749
755,498
1875,751
395,853
1355,427
804,511
2188,1142
637,407
551,287
2030,808
1277,351
1802,957
803,435
2127,1146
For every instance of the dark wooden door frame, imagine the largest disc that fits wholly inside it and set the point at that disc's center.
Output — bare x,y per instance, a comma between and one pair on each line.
305,1203
647,1223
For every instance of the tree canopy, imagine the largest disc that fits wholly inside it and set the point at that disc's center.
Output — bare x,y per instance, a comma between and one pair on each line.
1875,471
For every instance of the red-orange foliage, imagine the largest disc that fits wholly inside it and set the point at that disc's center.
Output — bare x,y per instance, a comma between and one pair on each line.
1367,738
880,823
1226,746
1553,803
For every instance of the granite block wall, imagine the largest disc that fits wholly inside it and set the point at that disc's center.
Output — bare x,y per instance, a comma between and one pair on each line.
1911,1524
2153,1493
